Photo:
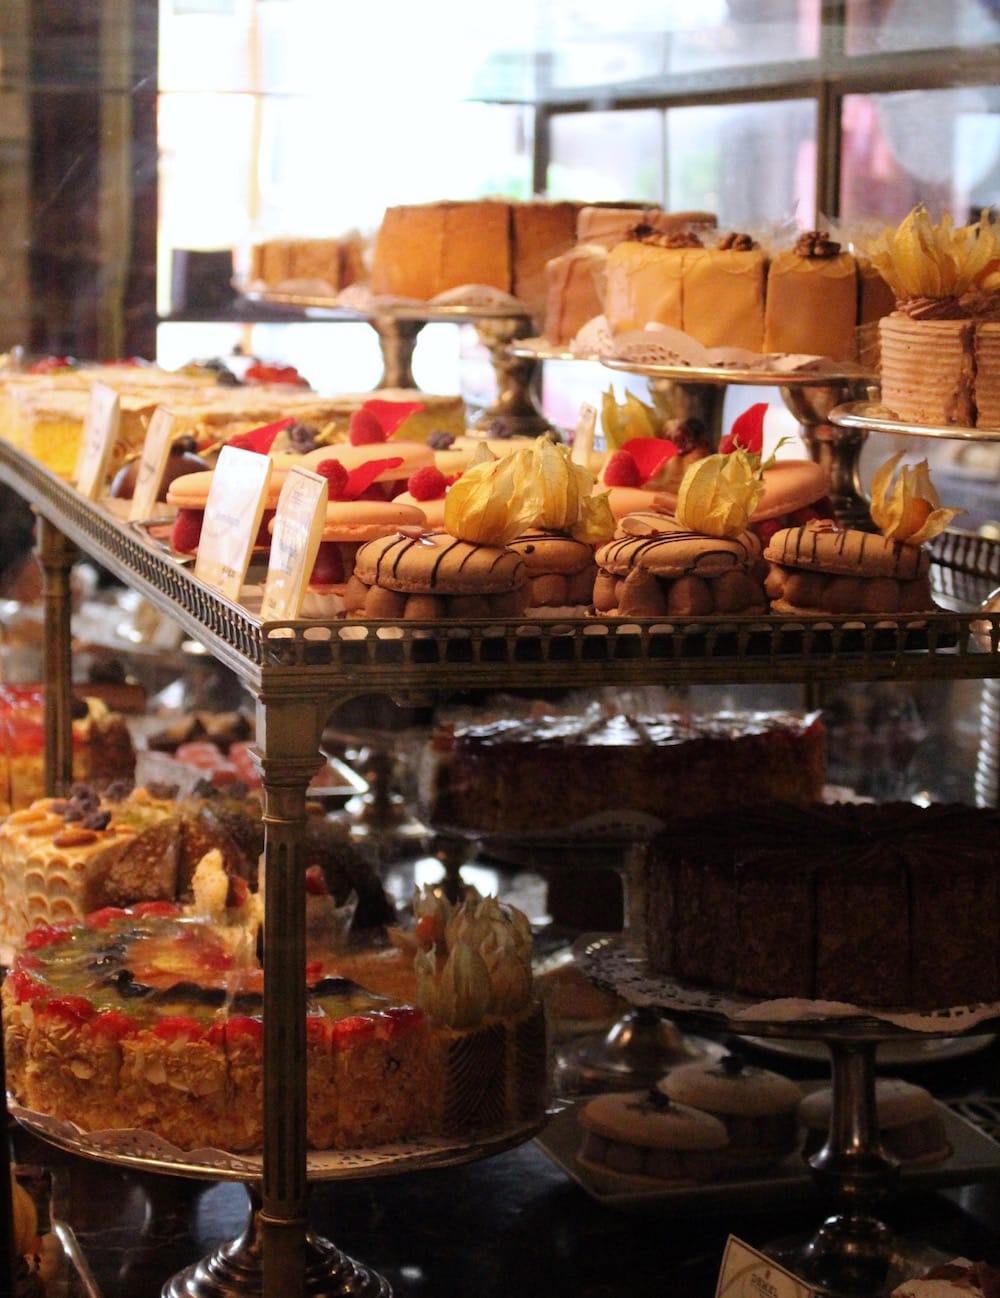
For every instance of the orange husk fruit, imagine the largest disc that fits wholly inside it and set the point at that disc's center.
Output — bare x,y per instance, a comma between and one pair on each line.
907,509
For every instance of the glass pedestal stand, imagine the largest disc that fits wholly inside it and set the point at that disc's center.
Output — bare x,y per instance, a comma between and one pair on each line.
852,1254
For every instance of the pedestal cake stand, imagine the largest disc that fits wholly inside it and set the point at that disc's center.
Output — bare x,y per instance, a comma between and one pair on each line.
233,1270
852,1254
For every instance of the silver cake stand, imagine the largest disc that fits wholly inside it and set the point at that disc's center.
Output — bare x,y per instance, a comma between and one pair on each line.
810,393
852,1254
398,324
233,1270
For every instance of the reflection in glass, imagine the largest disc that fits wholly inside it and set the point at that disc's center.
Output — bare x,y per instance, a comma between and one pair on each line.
749,163
882,25
606,156
938,147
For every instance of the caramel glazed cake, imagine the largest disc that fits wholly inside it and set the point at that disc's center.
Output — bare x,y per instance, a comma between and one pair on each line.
150,1017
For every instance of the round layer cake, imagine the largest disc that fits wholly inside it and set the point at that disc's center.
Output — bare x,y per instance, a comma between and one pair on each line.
889,905
146,1019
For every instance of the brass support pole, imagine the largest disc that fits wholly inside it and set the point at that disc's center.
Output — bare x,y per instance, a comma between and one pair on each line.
57,554
287,755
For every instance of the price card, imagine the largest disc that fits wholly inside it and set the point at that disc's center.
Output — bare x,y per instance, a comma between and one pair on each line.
745,1273
298,530
100,432
233,511
152,463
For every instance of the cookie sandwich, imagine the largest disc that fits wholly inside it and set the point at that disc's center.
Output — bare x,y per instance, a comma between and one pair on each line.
645,1135
821,567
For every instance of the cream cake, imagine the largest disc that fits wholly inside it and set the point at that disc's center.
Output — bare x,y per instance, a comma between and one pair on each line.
811,304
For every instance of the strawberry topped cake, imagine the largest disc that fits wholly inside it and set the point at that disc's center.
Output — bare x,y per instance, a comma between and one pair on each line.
150,1017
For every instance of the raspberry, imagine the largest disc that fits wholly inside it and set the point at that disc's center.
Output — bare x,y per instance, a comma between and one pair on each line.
336,477
766,529
427,483
621,471
328,569
316,885
364,429
186,531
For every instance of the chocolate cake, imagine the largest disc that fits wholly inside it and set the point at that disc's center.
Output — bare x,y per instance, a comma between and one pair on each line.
528,776
881,905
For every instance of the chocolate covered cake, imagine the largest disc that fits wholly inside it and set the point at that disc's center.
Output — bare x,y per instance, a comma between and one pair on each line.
531,775
886,905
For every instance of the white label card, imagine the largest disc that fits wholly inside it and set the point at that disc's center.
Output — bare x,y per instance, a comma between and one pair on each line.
298,529
746,1273
233,511
100,432
152,463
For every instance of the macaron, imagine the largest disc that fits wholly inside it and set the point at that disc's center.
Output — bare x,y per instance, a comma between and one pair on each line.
349,525
645,1135
758,1108
910,1125
435,575
821,568
561,570
654,567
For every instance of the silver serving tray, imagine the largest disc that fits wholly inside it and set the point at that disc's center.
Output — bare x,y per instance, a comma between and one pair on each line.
974,1157
879,419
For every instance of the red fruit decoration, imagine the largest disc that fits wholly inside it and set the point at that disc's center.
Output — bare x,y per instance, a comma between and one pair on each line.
353,486
747,431
262,372
316,885
186,530
428,483
377,420
650,454
622,471
260,439
328,567
113,1025
49,363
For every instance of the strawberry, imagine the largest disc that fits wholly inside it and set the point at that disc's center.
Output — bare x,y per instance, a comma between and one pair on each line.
98,919
622,471
45,935
427,483
25,989
336,478
364,428
240,1029
403,1018
113,1025
74,1009
353,1029
186,531
177,1027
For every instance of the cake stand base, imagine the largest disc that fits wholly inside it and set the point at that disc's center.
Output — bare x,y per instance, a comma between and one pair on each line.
853,1256
633,1055
234,1271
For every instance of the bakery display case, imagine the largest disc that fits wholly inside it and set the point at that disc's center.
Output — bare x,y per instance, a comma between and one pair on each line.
297,671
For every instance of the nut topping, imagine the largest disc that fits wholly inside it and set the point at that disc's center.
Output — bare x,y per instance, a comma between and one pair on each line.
74,837
817,244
